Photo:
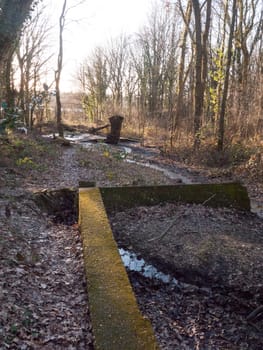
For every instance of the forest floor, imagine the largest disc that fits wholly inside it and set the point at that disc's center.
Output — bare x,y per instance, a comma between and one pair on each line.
43,292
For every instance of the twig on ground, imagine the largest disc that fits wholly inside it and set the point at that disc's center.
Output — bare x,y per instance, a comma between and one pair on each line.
255,313
175,220
254,325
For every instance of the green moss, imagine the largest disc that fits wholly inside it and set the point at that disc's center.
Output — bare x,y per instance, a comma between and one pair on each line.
116,319
215,195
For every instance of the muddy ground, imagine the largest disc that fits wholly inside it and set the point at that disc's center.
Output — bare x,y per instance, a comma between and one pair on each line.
199,244
44,304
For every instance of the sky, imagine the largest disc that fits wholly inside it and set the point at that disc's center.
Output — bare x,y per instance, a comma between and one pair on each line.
94,23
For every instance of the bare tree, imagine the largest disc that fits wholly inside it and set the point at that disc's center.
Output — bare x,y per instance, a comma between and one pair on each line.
248,32
59,69
181,74
221,129
62,22
130,85
93,76
116,59
155,62
31,56
200,64
199,88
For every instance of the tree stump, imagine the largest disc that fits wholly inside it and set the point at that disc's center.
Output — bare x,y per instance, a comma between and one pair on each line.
114,136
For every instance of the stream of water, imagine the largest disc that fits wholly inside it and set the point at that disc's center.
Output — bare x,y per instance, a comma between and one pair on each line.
87,140
171,174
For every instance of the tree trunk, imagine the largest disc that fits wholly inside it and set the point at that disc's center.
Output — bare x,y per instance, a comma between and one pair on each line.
221,129
199,88
59,69
181,79
204,46
114,136
12,16
10,98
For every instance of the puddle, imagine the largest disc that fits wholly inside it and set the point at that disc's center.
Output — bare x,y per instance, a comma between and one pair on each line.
50,136
77,138
127,150
133,263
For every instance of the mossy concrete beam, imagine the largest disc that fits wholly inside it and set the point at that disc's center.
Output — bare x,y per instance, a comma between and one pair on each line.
115,316
232,195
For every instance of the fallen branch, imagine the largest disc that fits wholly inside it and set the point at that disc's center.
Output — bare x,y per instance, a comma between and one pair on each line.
254,325
176,218
255,313
93,130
